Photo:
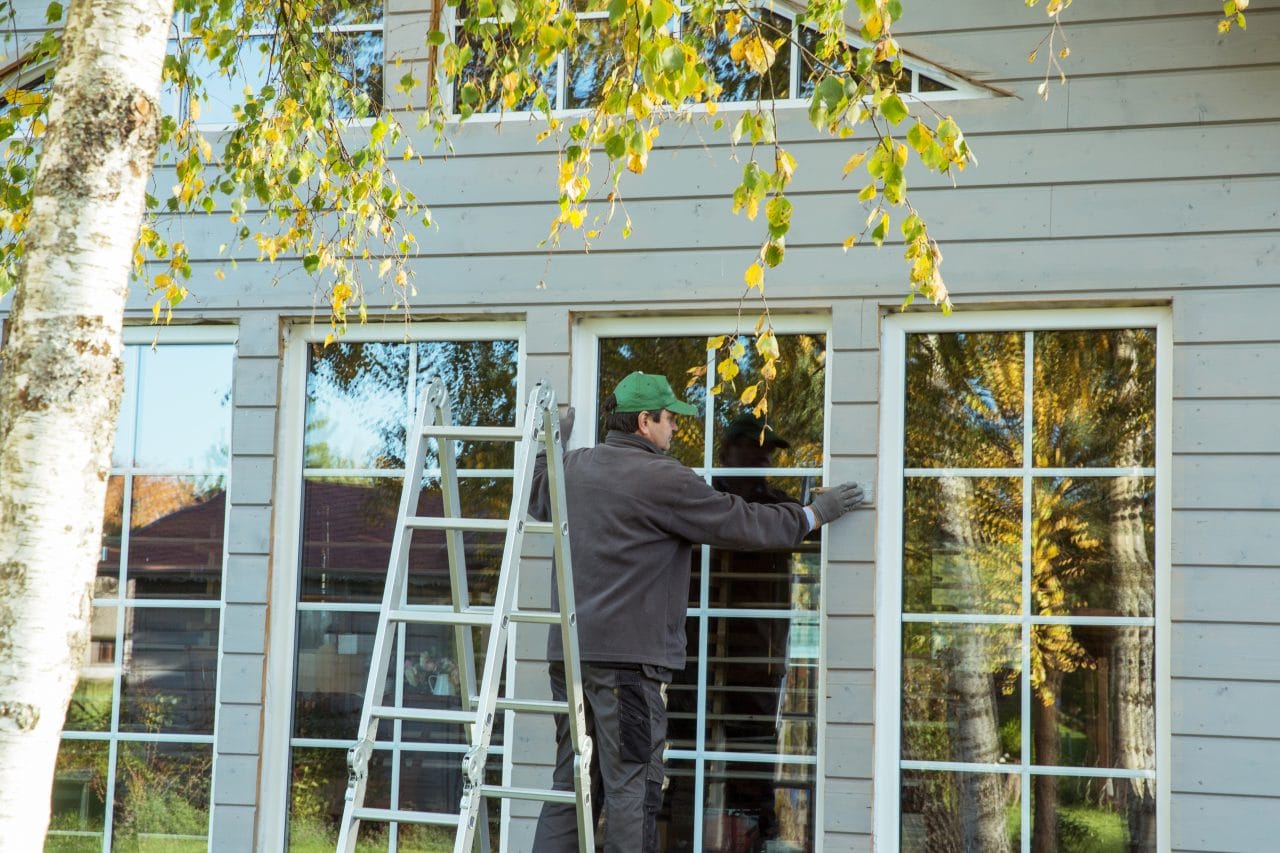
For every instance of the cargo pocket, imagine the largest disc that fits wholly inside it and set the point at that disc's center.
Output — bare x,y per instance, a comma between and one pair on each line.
635,742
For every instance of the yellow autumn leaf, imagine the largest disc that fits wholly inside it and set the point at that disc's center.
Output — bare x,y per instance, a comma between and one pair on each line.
754,276
854,162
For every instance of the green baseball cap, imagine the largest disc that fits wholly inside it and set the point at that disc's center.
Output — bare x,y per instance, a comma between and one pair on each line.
647,392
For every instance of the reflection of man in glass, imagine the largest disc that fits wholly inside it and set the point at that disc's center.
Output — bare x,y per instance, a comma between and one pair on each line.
634,515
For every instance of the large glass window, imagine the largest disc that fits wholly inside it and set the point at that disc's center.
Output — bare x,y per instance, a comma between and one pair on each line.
133,770
1028,648
360,400
742,757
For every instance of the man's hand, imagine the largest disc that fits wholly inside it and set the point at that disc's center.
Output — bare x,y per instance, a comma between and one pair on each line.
566,427
834,502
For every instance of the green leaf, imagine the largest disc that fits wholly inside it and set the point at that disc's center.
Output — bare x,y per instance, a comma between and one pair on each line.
53,13
673,58
660,12
311,263
893,109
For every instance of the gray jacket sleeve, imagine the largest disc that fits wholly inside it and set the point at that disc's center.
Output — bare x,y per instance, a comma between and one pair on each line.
540,492
701,514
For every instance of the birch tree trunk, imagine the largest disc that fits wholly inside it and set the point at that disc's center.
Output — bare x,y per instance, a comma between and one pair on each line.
61,382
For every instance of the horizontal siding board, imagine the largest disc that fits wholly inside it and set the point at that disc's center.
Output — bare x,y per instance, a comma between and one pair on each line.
1163,207
1226,426
1226,370
1240,538
1248,767
849,755
947,17
1226,824
1232,316
1242,709
846,806
850,696
1226,482
850,642
1237,652
1226,594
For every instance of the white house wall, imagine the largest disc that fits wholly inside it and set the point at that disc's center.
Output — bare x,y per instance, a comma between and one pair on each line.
1150,178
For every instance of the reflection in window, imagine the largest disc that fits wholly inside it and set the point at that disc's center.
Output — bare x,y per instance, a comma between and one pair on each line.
1046,574
134,766
750,685
360,401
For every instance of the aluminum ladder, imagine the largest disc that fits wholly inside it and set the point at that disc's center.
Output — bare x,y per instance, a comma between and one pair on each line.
539,429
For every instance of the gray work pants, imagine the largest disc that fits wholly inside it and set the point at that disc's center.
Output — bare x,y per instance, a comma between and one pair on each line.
627,720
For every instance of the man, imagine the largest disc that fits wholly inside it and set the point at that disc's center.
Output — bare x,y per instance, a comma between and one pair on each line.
634,516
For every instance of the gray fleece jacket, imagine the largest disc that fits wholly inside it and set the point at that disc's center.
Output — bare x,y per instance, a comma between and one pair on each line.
634,516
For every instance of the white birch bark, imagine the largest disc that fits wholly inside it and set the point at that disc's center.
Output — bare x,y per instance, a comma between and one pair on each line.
61,381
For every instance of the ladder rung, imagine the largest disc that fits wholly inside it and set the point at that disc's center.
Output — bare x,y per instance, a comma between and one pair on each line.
542,794
536,706
423,715
402,816
478,525
442,617
473,433
536,617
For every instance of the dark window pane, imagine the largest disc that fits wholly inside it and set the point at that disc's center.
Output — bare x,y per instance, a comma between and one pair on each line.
170,670
79,797
1094,402
962,545
357,405
480,72
317,784
959,811
925,83
739,82
1093,543
1072,813
960,693
162,797
176,529
671,357
594,61
749,806
1094,703
682,695
334,650
675,819
90,708
964,400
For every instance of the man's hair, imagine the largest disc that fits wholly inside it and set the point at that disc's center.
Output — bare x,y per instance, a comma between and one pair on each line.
624,421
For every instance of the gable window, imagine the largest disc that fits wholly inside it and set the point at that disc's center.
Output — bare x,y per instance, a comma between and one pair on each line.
576,79
1024,556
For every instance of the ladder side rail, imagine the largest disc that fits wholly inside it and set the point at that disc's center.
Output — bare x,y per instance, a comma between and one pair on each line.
504,598
563,567
463,643
380,659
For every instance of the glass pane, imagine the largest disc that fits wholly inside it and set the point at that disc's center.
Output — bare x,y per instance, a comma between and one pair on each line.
675,818
961,693
225,91
960,811
1093,542
1094,703
107,582
1094,400
593,63
317,783
90,708
672,357
432,677
357,406
795,416
348,525
184,407
758,698
481,379
962,545
357,58
847,54
348,12
170,670
682,696
334,650
785,579
739,82
1082,815
750,806
162,797
79,798
964,409
176,528
432,782
483,74
925,83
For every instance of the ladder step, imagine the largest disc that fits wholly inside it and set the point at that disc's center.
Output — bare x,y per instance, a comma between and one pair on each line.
402,816
477,525
473,433
536,706
542,794
442,617
536,617
423,715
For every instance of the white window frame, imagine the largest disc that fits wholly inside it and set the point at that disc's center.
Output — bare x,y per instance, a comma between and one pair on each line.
961,89
277,739
587,333
174,335
888,700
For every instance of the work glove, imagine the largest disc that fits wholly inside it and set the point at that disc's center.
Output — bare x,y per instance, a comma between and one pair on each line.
566,427
834,502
